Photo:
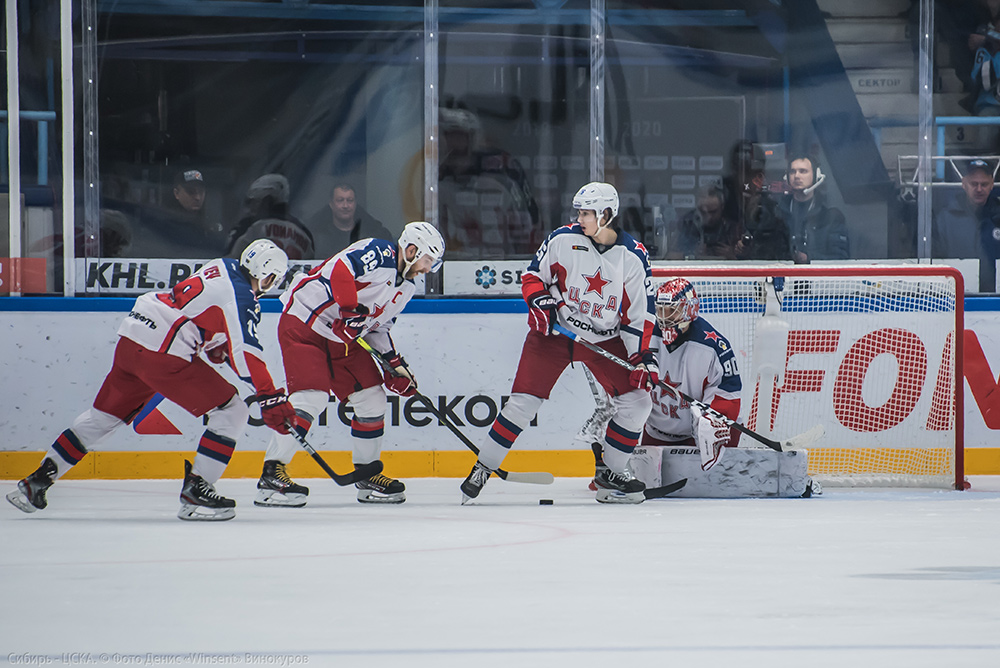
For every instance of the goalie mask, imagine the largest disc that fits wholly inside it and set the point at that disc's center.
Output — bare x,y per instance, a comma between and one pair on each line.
428,241
676,306
263,258
597,197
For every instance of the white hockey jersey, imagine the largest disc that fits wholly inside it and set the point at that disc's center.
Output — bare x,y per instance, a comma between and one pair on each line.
701,363
607,294
215,306
363,273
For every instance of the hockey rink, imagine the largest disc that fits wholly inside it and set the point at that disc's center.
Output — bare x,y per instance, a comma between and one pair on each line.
107,575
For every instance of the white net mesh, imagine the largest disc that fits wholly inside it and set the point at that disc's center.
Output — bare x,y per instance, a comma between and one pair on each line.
870,356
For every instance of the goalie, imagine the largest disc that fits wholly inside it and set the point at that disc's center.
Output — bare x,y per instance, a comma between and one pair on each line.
682,441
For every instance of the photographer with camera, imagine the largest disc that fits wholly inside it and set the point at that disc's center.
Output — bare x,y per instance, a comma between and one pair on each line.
705,232
765,232
818,232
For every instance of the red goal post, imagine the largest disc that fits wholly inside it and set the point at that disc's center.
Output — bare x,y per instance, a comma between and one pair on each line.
873,353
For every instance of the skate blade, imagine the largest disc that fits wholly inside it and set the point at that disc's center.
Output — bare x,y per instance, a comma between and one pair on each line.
614,496
466,499
194,513
20,501
368,496
269,498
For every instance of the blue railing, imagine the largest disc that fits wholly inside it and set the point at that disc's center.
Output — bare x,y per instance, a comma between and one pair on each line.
42,118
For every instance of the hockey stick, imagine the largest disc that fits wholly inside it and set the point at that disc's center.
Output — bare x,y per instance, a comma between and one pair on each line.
800,441
660,492
362,472
602,412
534,478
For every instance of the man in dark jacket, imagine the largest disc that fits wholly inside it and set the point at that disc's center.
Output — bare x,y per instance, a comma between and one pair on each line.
818,231
968,224
337,226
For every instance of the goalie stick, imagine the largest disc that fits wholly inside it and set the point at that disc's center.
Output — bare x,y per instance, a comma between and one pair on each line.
660,492
360,473
800,441
534,478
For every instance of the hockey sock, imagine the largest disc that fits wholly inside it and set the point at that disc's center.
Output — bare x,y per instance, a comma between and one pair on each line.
214,453
516,414
66,452
619,444
367,433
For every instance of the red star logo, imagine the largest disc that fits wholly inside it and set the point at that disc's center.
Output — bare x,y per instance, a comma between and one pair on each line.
639,245
596,283
713,336
665,379
378,310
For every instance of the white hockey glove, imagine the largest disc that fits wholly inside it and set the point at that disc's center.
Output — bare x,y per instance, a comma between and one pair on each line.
711,434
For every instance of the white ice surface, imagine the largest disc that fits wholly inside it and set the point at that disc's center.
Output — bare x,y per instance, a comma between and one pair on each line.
853,578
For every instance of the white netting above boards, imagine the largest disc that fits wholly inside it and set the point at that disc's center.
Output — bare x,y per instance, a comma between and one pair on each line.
870,353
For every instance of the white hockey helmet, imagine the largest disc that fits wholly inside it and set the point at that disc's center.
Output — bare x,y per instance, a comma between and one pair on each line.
676,304
428,241
597,197
263,258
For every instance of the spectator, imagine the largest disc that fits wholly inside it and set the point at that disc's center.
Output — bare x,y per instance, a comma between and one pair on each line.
705,232
966,226
265,216
487,206
342,222
818,232
180,228
765,232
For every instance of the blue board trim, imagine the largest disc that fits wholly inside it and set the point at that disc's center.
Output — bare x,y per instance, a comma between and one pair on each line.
268,305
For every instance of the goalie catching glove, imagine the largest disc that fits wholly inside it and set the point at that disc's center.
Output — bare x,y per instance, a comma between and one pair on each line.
711,434
276,412
399,380
542,310
645,375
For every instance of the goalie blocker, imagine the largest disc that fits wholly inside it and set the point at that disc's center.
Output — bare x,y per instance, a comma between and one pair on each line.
742,473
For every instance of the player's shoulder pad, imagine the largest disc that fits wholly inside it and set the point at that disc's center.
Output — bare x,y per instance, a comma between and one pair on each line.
238,277
703,332
566,230
634,246
372,255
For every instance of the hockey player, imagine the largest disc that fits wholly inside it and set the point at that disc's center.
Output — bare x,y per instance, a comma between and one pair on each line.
357,292
697,360
594,279
214,311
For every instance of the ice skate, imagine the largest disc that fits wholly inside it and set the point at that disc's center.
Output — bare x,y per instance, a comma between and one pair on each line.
381,489
200,501
599,464
276,490
475,482
614,487
30,493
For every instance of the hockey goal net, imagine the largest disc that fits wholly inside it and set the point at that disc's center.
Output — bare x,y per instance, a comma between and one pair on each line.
871,353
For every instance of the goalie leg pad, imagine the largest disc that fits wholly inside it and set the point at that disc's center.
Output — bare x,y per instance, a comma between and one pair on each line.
741,473
646,463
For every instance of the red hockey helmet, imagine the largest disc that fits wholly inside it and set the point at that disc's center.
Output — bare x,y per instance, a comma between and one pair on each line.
676,304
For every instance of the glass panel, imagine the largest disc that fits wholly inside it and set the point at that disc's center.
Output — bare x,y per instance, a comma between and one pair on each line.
514,110
37,269
966,206
222,122
707,105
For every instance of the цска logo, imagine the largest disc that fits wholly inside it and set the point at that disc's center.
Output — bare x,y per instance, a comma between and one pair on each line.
486,277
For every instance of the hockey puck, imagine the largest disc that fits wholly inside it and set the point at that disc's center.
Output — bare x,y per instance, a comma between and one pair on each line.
545,502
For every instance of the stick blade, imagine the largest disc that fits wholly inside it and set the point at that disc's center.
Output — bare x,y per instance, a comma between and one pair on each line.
660,492
805,439
362,472
529,477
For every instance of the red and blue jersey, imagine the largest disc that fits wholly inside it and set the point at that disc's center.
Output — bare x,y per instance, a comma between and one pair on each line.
607,292
365,273
701,363
215,306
